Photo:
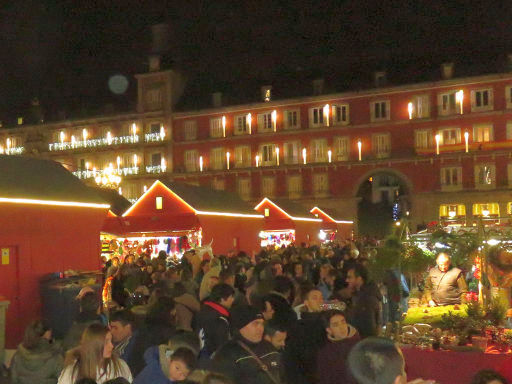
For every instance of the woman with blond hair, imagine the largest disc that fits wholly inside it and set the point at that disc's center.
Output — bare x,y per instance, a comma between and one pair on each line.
93,359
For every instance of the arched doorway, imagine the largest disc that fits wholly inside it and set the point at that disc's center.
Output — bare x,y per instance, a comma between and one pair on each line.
383,195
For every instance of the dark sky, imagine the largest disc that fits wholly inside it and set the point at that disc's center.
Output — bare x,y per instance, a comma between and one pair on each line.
64,52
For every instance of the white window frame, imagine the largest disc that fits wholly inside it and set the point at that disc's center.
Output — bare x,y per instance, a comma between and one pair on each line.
268,186
508,96
446,109
265,122
286,119
451,140
480,136
216,127
318,150
294,157
380,110
340,114
190,130
317,118
381,145
268,154
451,178
217,158
478,94
341,146
243,156
191,159
239,127
294,186
244,188
478,173
320,184
420,106
423,138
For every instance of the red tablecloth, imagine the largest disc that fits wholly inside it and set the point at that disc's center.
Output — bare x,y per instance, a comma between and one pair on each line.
449,367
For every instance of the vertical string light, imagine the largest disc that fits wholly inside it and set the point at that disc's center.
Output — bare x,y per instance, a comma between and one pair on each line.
466,139
109,138
135,160
249,122
359,148
329,156
459,97
304,160
163,165
84,136
200,163
223,126
410,110
228,155
162,132
257,161
277,155
438,140
274,120
326,114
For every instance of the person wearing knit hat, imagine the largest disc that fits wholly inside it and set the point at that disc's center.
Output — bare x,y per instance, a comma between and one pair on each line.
247,358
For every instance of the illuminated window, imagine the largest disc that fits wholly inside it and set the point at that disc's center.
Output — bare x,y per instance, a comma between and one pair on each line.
483,133
159,202
242,125
449,136
267,212
319,150
242,156
268,186
423,138
320,184
291,152
420,106
448,104
486,209
485,176
509,208
452,210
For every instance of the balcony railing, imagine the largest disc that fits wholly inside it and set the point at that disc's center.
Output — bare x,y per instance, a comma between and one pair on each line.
13,151
91,143
87,173
153,137
155,168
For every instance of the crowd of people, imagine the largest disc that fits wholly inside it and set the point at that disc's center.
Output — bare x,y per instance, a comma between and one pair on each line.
288,315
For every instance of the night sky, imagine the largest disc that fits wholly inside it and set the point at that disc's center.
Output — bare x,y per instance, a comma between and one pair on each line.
63,52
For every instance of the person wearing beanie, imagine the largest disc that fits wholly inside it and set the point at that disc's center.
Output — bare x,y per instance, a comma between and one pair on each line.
247,358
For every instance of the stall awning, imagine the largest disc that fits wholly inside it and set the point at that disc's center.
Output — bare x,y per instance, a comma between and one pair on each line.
147,224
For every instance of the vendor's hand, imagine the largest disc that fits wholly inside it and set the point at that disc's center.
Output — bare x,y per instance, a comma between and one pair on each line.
432,303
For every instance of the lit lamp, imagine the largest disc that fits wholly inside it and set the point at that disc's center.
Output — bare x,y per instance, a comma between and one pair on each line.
109,138
162,132
329,156
223,126
304,155
359,147
274,120
134,129
84,136
228,155
410,109
8,143
438,140
485,212
73,141
451,214
201,163
257,161
466,139
249,122
459,97
62,137
163,165
326,114
277,156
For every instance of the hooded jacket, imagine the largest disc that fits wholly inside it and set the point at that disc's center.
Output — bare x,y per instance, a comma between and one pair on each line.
41,365
156,370
212,326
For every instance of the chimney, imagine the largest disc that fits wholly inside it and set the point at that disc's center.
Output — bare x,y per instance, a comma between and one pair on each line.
509,62
154,63
380,78
266,92
318,86
447,71
217,99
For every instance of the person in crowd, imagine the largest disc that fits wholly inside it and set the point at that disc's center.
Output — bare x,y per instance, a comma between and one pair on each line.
327,276
445,285
93,358
37,360
89,314
247,358
365,311
204,267
114,266
124,334
210,279
397,294
488,376
275,333
313,300
379,361
167,370
187,306
213,319
331,358
227,276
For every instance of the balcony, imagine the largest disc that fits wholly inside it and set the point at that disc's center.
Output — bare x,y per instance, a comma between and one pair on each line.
154,137
87,174
92,143
12,151
156,168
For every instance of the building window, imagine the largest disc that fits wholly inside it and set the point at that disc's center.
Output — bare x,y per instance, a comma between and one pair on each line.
217,158
341,146
155,128
485,176
294,183
508,96
242,125
482,100
316,117
422,138
448,104
319,150
509,208
265,122
268,154
156,159
451,178
381,145
190,130
242,156
486,209
292,119
380,110
420,106
452,211
483,133
509,174
216,127
268,186
449,136
340,114
154,98
218,184
291,152
191,160
320,184
159,203
267,212
244,188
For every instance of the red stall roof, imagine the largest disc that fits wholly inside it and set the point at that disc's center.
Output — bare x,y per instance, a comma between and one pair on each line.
328,216
283,214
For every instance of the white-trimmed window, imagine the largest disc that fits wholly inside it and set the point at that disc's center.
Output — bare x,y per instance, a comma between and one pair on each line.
483,133
218,184
191,160
509,174
420,106
242,125
447,103
381,145
319,150
242,156
292,119
341,145
268,154
265,122
482,100
294,184
340,114
190,130
451,178
320,184
508,95
216,127
217,158
268,186
291,152
317,118
485,176
380,110
422,138
244,187
449,136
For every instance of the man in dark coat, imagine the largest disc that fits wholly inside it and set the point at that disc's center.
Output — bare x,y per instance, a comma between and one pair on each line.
445,285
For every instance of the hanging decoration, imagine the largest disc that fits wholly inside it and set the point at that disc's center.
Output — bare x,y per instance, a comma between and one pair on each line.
277,238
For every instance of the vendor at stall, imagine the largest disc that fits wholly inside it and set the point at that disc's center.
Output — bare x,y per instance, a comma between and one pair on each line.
445,285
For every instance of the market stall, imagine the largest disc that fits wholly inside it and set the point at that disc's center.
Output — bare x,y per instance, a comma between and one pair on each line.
332,229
